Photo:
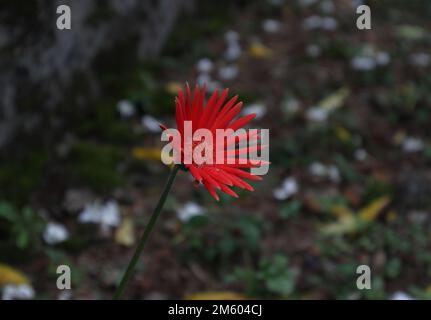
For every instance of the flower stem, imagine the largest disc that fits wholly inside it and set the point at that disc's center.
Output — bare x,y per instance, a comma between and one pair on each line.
129,271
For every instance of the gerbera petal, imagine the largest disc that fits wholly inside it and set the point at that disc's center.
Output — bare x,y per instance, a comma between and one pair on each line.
208,109
225,109
249,163
223,121
195,172
207,177
200,105
249,136
246,150
241,122
216,108
195,104
219,176
228,191
211,190
182,102
239,182
242,173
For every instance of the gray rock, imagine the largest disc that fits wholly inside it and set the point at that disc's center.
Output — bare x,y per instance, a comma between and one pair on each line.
37,58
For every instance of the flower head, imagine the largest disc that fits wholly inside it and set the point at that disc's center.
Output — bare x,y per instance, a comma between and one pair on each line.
217,113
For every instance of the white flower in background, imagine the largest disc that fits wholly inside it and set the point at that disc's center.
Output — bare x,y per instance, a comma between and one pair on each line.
233,52
211,85
190,210
17,292
329,23
203,78
383,58
76,199
306,3
55,233
412,144
334,173
370,58
363,63
327,6
271,25
318,22
399,295
228,72
125,108
107,215
231,36
290,105
150,123
313,50
312,22
316,114
318,169
288,188
360,154
258,108
204,65
420,59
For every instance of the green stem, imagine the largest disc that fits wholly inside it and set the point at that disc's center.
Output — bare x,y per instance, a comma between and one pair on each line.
129,271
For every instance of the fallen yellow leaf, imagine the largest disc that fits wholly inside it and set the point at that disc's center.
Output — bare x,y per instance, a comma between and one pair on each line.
258,50
152,154
125,234
334,100
349,222
343,134
146,153
370,212
346,224
341,211
9,275
173,87
392,216
399,137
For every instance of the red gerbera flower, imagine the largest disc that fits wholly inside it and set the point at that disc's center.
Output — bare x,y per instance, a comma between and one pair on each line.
215,114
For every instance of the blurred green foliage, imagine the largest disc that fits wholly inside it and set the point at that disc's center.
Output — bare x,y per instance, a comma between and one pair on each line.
272,278
21,231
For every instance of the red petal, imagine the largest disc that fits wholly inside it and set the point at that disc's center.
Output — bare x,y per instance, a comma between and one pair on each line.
206,176
241,122
242,174
211,190
218,175
246,150
234,140
208,109
239,182
194,107
195,172
223,121
228,191
216,108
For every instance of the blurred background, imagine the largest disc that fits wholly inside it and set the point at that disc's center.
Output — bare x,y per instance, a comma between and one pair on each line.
349,118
